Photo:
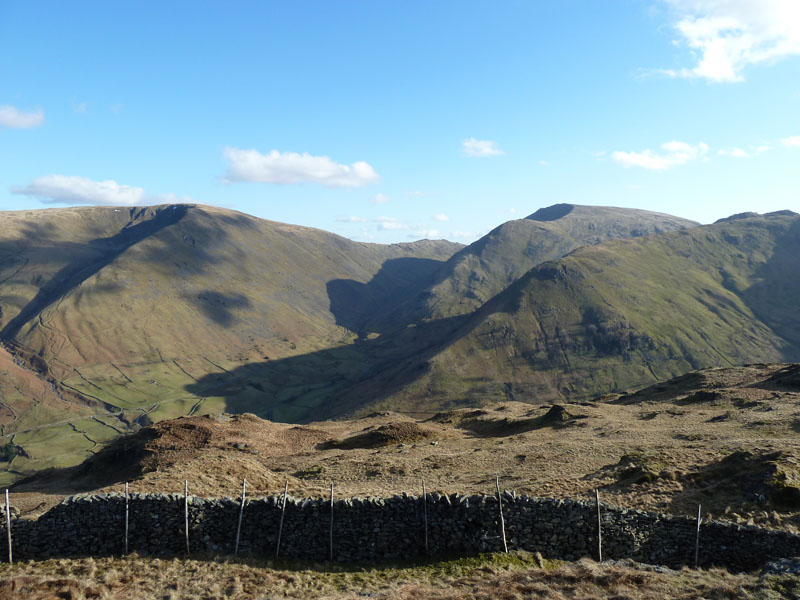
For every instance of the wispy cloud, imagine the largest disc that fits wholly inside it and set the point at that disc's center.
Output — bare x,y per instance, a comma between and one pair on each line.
726,36
290,167
80,108
65,189
737,152
424,233
168,199
390,224
14,118
383,223
673,154
379,199
473,147
792,141
68,189
441,217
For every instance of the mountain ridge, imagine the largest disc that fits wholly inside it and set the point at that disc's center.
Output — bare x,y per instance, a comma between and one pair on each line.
220,311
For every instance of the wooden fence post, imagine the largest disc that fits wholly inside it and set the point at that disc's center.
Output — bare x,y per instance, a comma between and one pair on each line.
697,538
186,512
241,514
425,514
502,521
599,528
330,550
126,518
280,526
8,529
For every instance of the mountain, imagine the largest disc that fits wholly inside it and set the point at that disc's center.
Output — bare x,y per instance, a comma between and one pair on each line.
485,268
623,314
113,319
107,314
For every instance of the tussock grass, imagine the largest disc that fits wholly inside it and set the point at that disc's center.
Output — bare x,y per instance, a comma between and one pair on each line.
489,576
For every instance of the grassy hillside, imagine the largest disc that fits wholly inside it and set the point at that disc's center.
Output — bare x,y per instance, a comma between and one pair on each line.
485,268
724,438
113,319
107,315
627,313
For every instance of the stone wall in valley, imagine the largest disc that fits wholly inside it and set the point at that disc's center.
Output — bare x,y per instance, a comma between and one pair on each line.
375,529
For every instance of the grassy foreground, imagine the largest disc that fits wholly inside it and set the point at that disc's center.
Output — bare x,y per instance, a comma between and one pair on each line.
490,576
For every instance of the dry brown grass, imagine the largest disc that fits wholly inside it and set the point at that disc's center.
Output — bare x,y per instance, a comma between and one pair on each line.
486,577
679,436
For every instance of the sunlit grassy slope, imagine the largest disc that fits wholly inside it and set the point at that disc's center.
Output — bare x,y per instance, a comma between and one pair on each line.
485,268
114,312
114,318
626,313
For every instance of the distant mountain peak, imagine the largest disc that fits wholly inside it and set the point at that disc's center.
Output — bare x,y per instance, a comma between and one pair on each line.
551,213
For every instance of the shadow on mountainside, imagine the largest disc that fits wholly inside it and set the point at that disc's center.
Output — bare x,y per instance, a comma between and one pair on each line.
775,296
358,306
97,254
332,382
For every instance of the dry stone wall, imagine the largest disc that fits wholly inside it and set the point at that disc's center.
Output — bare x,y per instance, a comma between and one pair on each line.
373,529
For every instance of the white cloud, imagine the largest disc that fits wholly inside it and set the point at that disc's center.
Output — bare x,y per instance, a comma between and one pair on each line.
379,199
290,167
366,234
462,234
742,153
116,108
441,217
423,233
169,199
735,152
792,141
473,147
674,154
415,194
390,224
80,108
383,223
17,119
727,35
544,163
64,189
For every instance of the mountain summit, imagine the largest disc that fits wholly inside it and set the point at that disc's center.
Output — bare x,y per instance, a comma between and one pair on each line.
111,319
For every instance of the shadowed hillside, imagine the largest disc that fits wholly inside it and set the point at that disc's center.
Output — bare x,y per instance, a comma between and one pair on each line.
603,319
107,315
486,267
116,319
627,313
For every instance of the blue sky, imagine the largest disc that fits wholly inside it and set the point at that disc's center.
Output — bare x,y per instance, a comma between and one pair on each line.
392,121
